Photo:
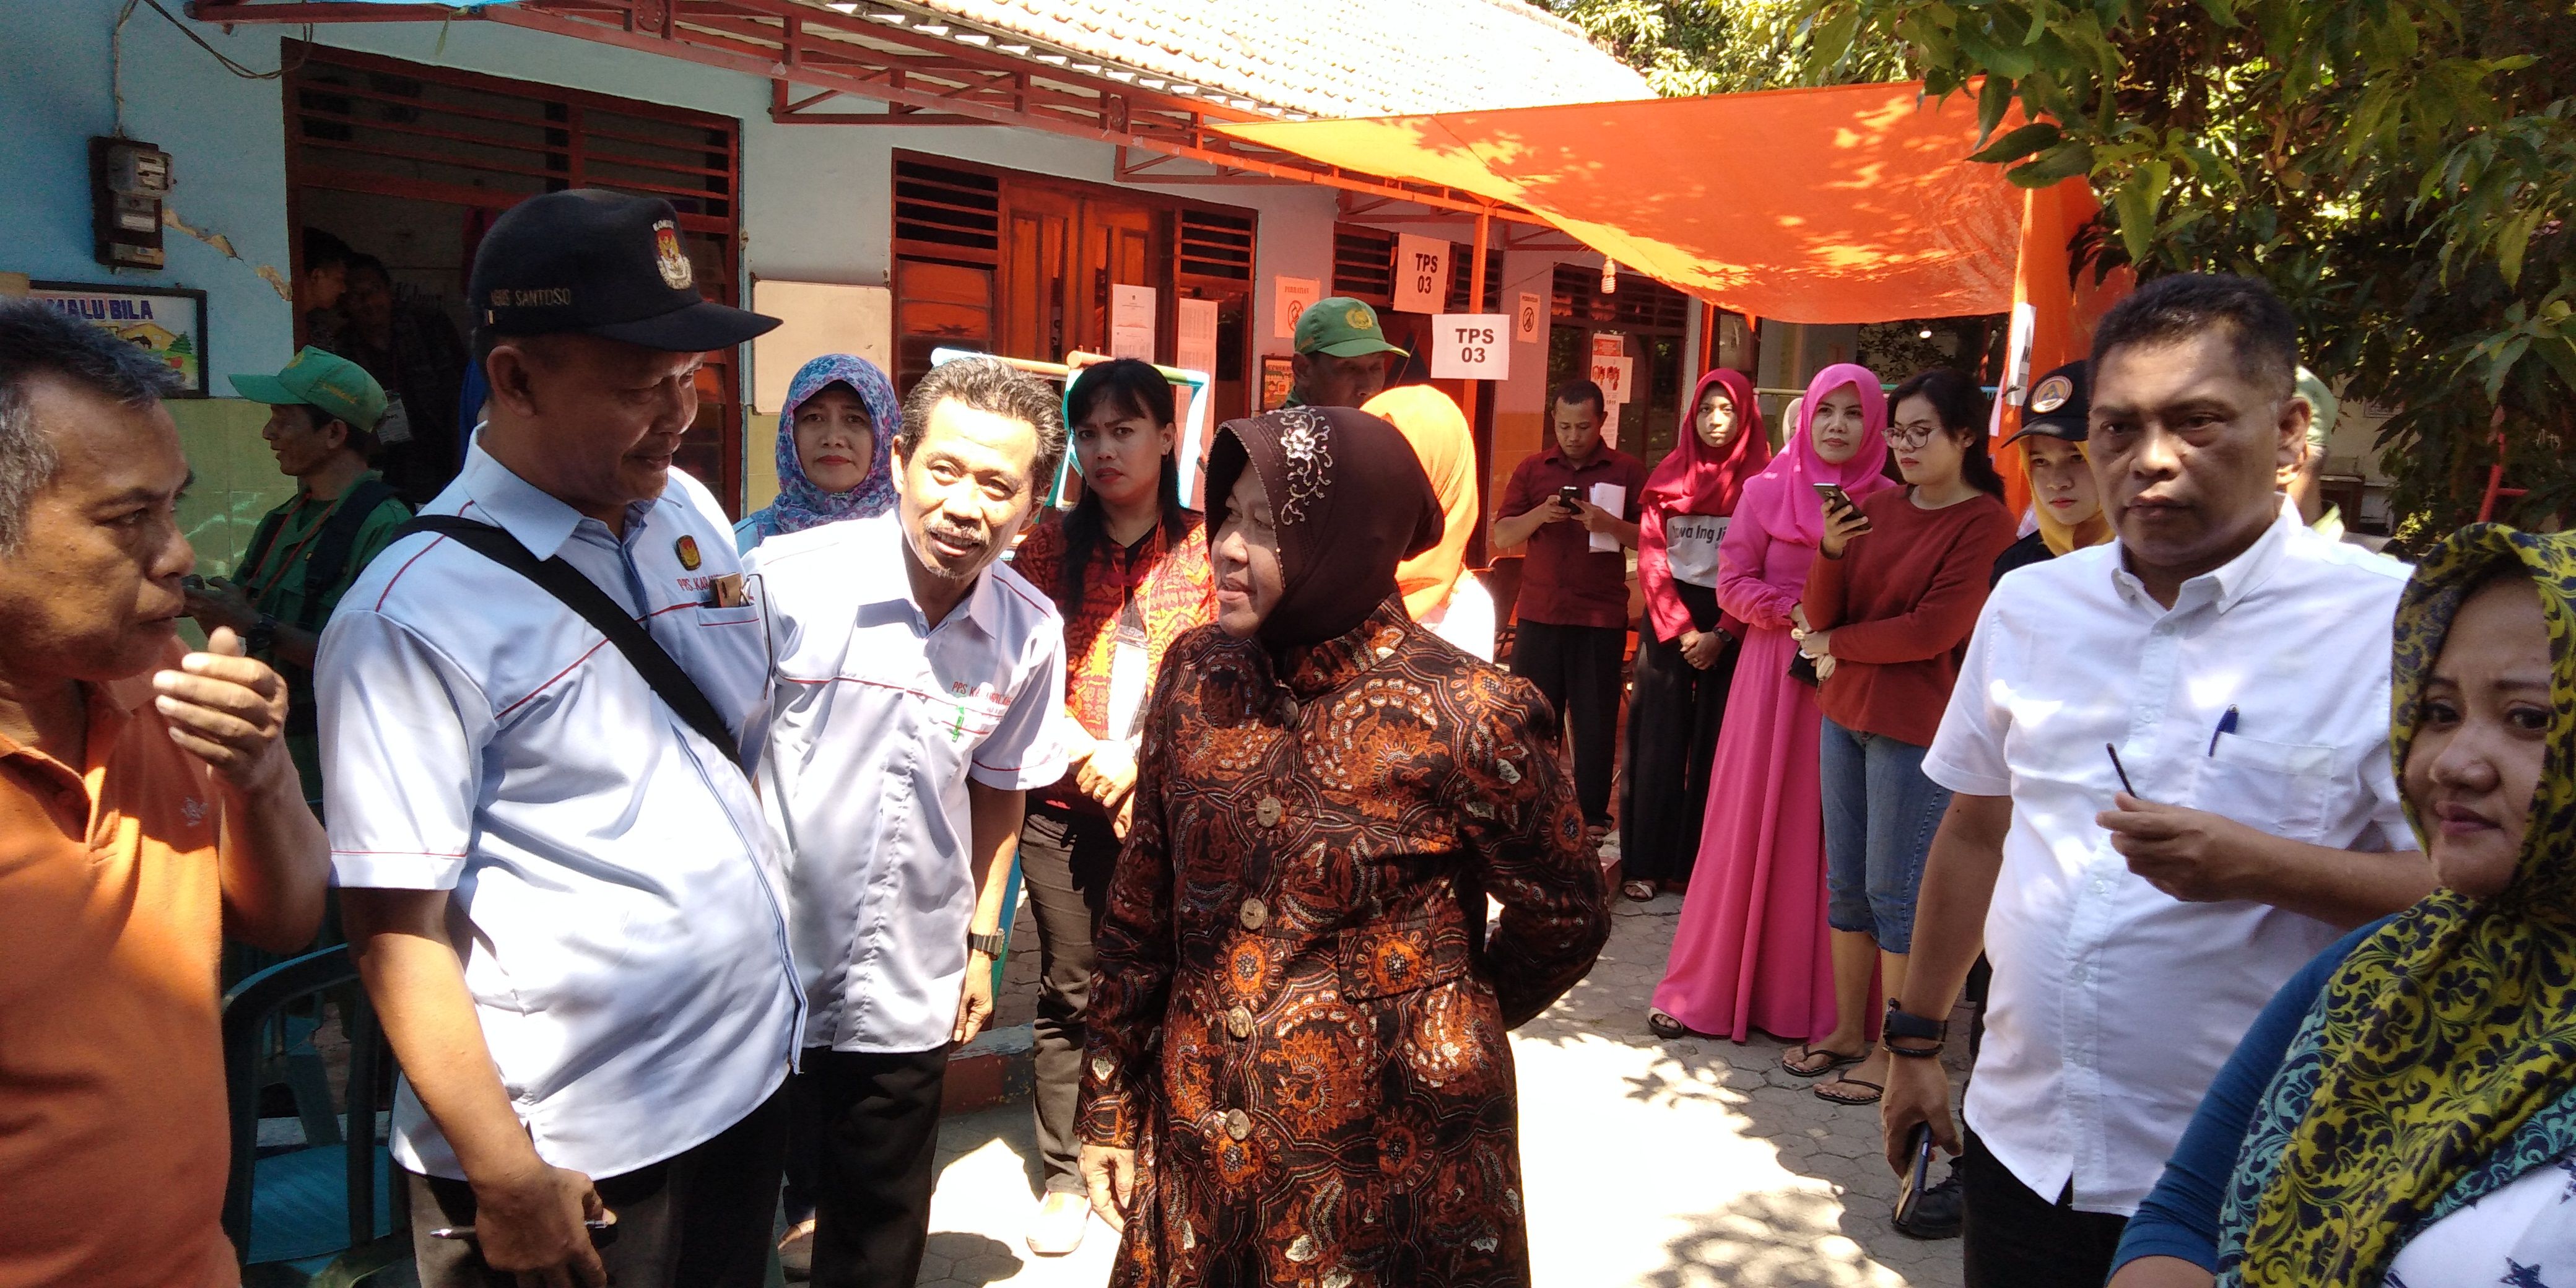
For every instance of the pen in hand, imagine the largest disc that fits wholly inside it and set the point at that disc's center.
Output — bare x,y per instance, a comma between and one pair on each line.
467,1231
2122,771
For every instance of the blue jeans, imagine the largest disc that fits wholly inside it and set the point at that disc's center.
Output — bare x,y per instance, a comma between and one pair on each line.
1880,814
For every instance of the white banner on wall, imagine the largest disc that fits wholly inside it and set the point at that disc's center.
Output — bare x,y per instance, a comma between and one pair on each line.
1470,346
1421,273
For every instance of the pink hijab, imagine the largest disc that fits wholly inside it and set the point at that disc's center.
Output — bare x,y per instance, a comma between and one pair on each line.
1693,478
1786,505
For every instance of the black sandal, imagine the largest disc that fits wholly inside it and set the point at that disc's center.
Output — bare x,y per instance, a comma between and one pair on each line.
1875,1091
1837,1060
1665,1026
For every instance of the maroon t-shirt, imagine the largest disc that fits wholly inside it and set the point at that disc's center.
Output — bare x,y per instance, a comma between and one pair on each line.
1564,581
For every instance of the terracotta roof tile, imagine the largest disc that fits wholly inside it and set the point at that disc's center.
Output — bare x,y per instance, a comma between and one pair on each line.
1332,57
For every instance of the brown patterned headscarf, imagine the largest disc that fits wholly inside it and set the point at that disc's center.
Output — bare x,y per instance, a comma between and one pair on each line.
1350,501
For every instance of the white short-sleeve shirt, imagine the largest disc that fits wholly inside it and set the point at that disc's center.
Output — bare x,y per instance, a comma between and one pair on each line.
880,719
625,936
2114,1004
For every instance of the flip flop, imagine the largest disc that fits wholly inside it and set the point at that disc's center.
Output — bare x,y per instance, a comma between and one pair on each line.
1638,891
1803,1051
1875,1091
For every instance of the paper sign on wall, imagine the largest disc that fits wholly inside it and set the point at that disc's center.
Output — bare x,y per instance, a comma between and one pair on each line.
1612,375
1470,346
1194,349
1294,296
1421,273
1609,344
1525,322
1131,322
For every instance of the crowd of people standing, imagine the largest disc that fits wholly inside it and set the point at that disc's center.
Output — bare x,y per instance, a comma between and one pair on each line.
678,867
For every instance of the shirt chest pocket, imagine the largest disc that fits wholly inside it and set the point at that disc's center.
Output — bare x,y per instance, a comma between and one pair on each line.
2274,787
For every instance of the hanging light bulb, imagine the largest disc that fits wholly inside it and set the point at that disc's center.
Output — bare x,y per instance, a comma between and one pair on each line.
1924,334
1609,276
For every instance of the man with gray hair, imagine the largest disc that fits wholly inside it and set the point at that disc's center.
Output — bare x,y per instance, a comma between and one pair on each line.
147,805
917,695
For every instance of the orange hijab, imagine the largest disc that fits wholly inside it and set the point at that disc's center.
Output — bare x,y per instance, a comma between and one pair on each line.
1447,448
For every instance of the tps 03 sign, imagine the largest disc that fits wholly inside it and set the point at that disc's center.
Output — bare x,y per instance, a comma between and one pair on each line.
1471,346
1421,273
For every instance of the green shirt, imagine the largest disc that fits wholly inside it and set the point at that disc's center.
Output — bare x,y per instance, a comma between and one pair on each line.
275,586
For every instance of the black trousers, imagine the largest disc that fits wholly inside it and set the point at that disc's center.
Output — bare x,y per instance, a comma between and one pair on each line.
1065,857
1673,715
700,1219
1577,669
880,1134
2013,1238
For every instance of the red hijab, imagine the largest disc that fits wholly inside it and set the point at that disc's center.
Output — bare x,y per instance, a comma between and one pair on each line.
1695,478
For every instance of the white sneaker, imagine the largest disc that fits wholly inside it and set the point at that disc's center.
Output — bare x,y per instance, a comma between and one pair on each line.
1057,1228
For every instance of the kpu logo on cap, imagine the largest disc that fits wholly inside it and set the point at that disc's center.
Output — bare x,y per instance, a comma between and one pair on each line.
669,257
2051,394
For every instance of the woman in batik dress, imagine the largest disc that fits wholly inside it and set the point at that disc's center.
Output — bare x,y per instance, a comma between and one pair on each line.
1297,1071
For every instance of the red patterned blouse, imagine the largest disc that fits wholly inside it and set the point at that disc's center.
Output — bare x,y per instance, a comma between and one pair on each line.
1168,583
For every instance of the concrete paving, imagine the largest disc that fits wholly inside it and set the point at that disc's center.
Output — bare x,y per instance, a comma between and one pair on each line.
1648,1163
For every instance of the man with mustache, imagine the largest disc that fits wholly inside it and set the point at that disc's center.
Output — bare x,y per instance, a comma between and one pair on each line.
2142,902
550,855
919,694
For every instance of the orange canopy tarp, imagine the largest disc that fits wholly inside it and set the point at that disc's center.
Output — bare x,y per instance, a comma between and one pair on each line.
1853,203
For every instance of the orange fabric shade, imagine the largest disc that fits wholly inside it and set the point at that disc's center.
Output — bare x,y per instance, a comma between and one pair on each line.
1852,203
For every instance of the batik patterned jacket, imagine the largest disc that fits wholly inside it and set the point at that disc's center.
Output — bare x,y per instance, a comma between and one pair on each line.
1289,1024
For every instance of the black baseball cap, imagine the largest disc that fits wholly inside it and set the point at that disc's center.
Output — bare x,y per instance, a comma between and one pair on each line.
2057,404
599,263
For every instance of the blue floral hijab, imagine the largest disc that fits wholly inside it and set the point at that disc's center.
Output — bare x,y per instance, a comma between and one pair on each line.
800,504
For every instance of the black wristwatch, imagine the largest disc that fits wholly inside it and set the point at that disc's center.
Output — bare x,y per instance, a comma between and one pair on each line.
990,945
1901,1024
262,636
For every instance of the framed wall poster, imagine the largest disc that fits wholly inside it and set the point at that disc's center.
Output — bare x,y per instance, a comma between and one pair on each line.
1278,377
167,322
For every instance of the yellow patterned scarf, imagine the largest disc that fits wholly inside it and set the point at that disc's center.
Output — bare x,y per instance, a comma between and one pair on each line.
2440,1059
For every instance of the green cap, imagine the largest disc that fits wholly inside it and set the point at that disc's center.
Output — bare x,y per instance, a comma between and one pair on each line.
2322,407
318,378
1342,327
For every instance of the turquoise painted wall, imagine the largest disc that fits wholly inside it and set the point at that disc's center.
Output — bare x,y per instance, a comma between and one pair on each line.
816,199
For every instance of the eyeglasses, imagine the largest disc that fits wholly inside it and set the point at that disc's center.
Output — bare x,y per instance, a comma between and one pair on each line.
1909,437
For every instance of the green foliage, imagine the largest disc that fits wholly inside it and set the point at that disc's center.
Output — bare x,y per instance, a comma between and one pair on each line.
2400,170
1686,47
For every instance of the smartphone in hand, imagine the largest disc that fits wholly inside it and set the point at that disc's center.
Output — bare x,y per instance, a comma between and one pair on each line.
1834,497
1569,497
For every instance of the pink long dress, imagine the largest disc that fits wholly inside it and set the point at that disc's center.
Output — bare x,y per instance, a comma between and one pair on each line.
1751,950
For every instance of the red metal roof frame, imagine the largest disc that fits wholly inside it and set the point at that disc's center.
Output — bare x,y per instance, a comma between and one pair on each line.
926,78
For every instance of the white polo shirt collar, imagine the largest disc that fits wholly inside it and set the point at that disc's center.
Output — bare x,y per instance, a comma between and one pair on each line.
2221,588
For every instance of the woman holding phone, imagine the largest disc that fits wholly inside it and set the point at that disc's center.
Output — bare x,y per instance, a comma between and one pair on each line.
1128,569
1685,657
1750,951
1891,605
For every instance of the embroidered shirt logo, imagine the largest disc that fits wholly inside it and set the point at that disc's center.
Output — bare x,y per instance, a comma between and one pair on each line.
193,810
687,549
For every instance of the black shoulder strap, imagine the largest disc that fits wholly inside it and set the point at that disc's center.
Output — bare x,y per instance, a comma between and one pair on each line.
581,595
261,538
339,536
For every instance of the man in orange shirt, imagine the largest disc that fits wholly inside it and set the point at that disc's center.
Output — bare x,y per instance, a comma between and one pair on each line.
147,804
